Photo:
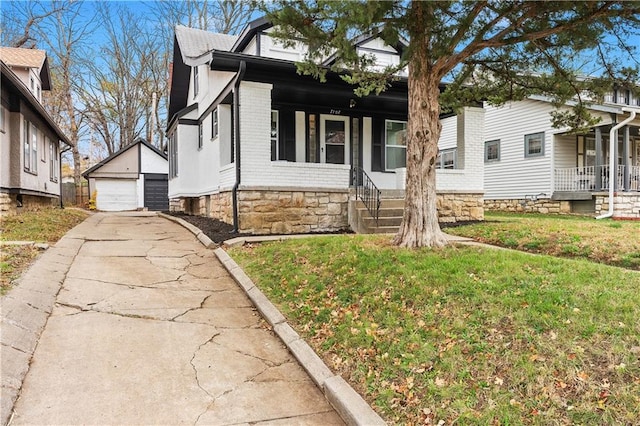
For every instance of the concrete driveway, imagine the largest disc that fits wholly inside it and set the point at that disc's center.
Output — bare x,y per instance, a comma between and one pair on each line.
149,328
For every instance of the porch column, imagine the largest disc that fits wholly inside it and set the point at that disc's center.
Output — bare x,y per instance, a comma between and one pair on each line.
626,153
599,159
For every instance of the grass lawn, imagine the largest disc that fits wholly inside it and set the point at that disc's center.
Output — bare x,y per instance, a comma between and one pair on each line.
606,241
46,225
465,334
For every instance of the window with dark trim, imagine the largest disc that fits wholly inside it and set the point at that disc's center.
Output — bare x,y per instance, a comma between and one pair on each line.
214,123
395,144
492,151
534,145
173,155
200,135
275,132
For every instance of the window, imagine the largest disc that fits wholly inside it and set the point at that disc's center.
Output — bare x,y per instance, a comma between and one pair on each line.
275,131
33,85
2,119
492,151
27,146
200,135
34,149
214,123
195,81
173,155
396,144
45,147
447,159
534,145
53,162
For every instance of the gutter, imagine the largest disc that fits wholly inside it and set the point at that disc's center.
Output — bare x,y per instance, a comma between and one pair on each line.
236,127
612,158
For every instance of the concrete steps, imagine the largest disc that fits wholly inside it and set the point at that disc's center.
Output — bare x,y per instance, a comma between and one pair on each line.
389,217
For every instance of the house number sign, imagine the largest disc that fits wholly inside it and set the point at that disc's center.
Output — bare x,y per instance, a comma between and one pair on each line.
335,111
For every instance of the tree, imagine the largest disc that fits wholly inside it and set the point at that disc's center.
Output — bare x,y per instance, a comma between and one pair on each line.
486,50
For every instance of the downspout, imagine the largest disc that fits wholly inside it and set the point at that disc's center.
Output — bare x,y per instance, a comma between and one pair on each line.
612,158
236,131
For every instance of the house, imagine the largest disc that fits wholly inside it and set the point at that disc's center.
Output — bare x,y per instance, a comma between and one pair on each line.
135,177
255,144
531,166
30,141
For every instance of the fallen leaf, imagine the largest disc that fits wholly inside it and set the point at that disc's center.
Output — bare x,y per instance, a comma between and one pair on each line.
440,382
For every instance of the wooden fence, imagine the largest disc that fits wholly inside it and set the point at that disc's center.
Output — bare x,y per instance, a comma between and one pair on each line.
73,195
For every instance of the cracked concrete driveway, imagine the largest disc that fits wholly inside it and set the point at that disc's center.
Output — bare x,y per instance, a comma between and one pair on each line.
149,328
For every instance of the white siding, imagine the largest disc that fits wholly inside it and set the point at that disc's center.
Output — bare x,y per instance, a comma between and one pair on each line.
151,162
515,176
257,167
564,151
251,48
272,48
448,138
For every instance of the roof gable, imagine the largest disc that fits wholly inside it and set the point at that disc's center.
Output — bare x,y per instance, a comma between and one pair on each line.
195,45
28,58
138,141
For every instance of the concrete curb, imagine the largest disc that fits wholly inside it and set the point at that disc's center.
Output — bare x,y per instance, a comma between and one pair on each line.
353,409
206,241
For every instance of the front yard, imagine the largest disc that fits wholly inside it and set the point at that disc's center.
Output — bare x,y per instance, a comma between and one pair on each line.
470,335
46,226
606,241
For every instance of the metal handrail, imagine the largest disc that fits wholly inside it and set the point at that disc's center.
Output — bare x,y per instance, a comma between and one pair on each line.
367,191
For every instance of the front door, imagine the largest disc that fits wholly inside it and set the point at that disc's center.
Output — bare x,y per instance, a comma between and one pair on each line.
334,139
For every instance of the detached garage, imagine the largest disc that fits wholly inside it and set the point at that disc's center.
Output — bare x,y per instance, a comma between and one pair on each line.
133,178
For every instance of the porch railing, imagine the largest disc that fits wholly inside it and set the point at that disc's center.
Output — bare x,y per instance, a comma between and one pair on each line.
366,191
634,178
591,178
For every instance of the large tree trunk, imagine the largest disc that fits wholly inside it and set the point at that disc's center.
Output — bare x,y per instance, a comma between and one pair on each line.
420,227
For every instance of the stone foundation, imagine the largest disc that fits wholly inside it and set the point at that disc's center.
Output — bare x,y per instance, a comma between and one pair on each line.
9,203
542,205
627,205
273,211
460,207
266,211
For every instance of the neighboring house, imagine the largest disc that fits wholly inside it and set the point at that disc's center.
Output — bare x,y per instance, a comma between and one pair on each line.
531,166
135,177
30,141
253,143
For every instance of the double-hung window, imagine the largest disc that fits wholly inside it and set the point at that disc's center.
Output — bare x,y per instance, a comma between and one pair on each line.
534,145
395,144
214,123
53,161
447,159
491,151
26,145
34,148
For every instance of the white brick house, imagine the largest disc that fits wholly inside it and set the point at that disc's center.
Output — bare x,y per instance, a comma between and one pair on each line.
253,143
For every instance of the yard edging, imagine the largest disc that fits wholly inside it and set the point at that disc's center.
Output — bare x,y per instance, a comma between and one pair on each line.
353,409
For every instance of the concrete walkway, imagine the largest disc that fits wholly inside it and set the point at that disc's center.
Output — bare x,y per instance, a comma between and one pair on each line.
147,328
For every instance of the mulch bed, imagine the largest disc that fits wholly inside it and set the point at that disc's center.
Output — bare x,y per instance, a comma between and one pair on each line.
213,228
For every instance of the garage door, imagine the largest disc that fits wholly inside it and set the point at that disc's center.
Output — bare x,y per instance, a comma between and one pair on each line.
156,190
115,195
